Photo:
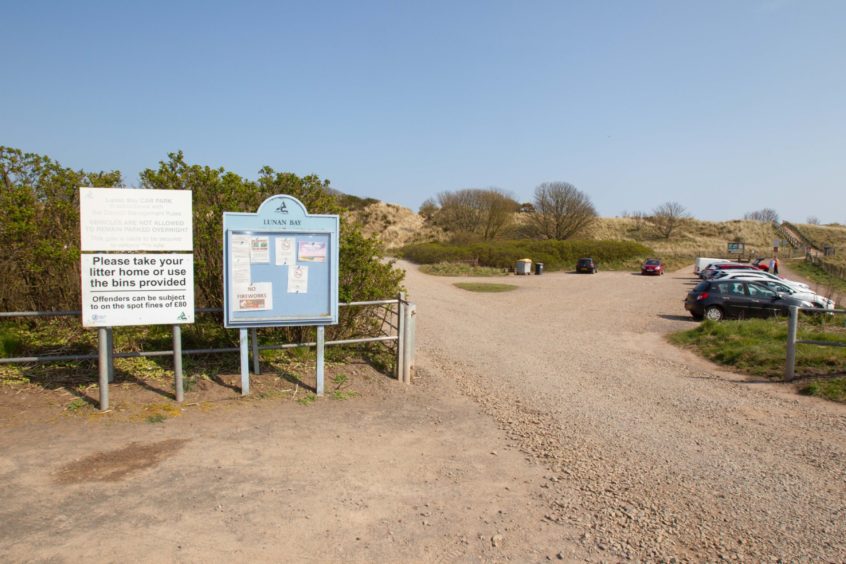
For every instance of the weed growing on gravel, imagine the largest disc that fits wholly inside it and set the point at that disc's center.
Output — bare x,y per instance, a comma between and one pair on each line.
307,399
341,380
76,405
157,418
758,346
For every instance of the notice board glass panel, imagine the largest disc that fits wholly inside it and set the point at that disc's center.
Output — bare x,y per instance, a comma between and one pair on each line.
278,278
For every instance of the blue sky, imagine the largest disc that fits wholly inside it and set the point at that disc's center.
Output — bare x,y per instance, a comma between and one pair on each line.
723,106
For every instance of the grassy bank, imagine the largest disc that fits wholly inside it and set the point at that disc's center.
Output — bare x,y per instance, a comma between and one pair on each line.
826,284
461,269
556,255
758,347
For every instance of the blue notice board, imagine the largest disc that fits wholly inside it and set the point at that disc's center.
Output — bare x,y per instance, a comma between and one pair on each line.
280,266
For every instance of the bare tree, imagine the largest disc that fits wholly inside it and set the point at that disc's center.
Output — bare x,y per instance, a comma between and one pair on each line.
561,211
812,220
766,215
668,217
472,211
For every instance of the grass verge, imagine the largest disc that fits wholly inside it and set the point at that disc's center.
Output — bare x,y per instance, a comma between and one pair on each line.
833,389
485,287
758,346
819,276
459,269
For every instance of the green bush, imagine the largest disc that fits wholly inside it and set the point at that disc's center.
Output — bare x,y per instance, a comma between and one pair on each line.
39,225
555,255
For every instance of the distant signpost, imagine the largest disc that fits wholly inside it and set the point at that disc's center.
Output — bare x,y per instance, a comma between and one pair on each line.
736,248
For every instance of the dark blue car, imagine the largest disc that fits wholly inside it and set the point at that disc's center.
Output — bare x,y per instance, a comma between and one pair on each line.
719,299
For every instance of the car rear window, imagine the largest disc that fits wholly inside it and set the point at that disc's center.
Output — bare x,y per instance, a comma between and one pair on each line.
702,286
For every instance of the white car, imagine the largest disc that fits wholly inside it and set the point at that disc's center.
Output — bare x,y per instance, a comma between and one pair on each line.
728,274
795,289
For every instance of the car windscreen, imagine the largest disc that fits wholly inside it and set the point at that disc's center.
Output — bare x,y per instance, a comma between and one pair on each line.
702,287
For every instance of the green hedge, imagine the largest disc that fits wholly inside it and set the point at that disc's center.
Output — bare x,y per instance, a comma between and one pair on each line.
502,254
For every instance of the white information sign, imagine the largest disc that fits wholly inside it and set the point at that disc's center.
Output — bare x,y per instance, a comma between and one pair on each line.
298,280
129,219
260,250
241,260
286,251
256,297
137,289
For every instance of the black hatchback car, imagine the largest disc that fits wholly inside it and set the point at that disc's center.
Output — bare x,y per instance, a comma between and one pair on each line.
719,299
586,265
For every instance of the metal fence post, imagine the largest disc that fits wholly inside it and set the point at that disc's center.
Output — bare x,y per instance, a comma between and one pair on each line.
110,344
400,333
177,363
256,358
103,366
321,342
408,342
244,335
792,322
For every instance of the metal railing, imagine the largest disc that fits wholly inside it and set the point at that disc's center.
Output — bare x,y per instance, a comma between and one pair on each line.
792,332
397,324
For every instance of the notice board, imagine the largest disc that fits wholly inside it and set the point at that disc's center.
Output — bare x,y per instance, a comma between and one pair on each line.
280,266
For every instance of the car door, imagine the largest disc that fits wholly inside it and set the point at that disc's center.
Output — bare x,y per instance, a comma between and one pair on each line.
735,301
764,301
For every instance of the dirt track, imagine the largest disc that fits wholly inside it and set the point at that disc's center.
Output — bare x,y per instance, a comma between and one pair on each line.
550,422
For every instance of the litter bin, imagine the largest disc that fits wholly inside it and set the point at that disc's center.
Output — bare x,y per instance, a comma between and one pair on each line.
538,268
523,266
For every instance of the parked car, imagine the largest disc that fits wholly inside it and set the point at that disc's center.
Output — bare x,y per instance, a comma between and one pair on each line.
652,266
701,263
720,299
795,289
807,295
758,274
586,264
713,269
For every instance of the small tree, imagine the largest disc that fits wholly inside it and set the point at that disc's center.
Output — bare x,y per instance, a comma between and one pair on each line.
484,213
561,211
428,209
668,217
766,215
812,220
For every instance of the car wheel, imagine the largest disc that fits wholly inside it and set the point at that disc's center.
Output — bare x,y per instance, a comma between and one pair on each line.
714,313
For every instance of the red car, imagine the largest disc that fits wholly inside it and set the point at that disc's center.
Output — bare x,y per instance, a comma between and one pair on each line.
652,266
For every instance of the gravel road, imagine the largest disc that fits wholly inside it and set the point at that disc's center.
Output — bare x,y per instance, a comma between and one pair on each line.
650,453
